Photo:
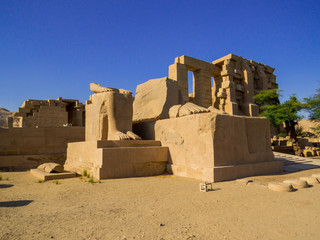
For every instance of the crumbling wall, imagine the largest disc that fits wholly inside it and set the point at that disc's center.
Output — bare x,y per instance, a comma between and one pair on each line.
48,113
236,81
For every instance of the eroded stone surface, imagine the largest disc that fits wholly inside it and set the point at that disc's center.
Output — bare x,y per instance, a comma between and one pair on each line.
51,168
49,113
310,180
297,183
154,98
109,114
205,146
281,187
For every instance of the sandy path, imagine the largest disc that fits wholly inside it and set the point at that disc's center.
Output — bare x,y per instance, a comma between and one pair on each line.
163,207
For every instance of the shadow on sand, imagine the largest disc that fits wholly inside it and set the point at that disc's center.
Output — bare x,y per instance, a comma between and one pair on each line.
19,203
6,185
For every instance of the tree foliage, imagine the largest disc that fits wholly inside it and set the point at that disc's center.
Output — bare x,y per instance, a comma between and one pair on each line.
269,97
279,113
312,104
275,111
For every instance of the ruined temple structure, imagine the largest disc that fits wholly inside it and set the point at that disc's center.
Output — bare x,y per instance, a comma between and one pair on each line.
228,83
211,133
49,113
107,151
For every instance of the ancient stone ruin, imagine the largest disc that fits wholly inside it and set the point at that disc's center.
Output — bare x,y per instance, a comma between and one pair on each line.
204,138
235,81
39,133
48,113
107,151
210,133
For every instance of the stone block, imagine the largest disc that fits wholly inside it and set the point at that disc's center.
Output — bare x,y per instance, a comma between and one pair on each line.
154,98
297,183
216,147
51,176
281,187
50,168
117,159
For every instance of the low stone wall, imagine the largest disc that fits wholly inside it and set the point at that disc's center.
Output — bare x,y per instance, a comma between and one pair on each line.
24,148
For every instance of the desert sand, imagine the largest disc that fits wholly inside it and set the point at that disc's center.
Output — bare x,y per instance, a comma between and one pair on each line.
161,207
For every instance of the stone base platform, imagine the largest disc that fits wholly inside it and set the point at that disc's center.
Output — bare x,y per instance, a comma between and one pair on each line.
105,159
223,173
51,176
215,147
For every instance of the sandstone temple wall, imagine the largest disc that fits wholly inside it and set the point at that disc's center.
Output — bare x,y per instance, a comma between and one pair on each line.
228,83
22,148
48,113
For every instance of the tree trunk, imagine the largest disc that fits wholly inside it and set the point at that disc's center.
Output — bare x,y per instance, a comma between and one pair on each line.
290,127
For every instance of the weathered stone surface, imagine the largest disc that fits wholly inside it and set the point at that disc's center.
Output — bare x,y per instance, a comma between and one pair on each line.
310,180
51,176
316,175
25,148
297,183
117,159
49,113
281,187
154,98
51,168
105,154
109,114
213,147
239,80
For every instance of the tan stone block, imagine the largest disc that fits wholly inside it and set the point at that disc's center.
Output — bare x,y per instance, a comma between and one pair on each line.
50,168
117,161
297,183
51,176
280,187
214,147
154,98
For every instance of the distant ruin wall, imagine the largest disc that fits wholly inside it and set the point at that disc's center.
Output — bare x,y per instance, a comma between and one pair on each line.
48,113
23,148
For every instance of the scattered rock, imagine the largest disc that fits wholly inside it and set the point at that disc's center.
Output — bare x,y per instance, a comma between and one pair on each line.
281,187
297,183
310,180
244,181
162,224
51,168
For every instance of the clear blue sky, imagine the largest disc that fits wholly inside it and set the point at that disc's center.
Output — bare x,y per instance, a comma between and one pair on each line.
51,49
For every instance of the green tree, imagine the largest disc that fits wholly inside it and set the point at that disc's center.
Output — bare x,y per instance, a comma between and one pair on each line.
312,104
279,113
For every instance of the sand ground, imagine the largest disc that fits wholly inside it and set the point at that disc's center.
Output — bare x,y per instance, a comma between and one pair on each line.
162,207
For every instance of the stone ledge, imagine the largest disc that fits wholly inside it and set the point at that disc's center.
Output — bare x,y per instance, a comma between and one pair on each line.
51,176
224,173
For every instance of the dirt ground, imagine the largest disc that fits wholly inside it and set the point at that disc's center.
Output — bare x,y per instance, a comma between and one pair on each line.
162,207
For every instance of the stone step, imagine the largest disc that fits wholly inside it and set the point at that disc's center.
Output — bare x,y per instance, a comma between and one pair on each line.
293,163
128,143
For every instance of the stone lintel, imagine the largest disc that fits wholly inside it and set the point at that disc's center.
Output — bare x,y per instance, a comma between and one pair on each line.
194,64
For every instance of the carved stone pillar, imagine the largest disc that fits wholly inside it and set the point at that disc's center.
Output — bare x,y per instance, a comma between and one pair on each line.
179,72
202,88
